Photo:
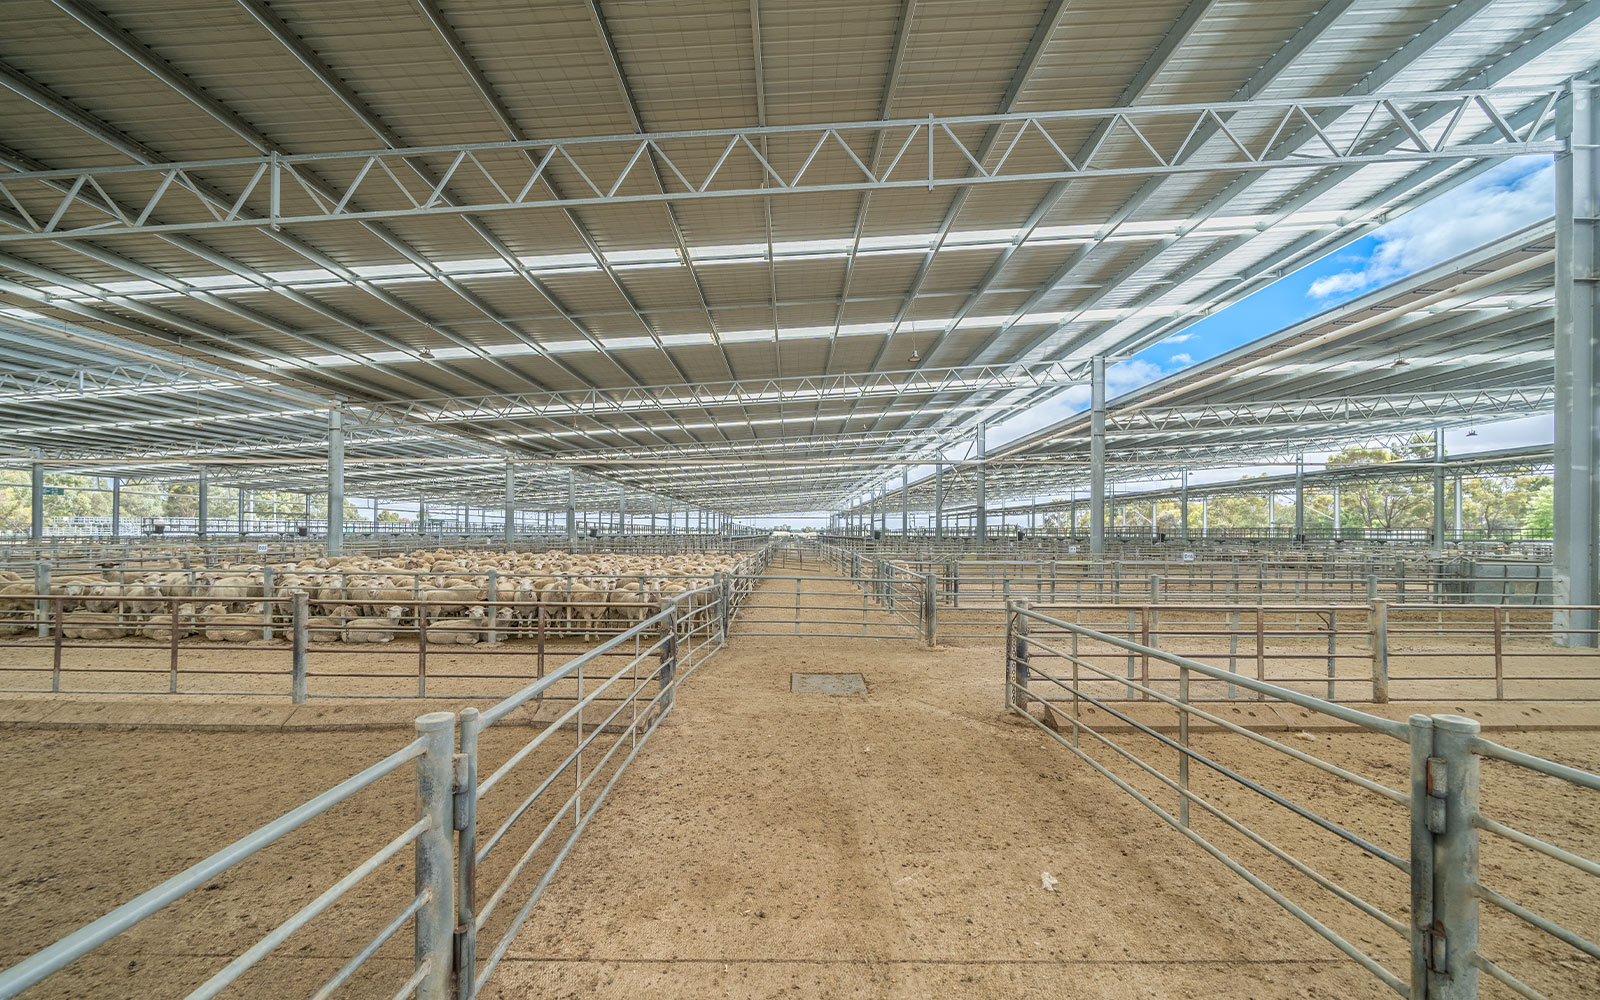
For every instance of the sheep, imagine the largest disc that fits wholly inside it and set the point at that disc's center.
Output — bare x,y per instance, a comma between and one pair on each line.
159,626
326,628
222,626
90,625
372,629
458,631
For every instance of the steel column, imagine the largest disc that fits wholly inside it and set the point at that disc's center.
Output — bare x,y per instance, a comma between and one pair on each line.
572,506
1300,498
116,506
1097,456
1338,530
335,540
905,502
1458,525
980,524
1183,505
1438,488
241,511
205,505
511,504
938,500
1577,328
36,501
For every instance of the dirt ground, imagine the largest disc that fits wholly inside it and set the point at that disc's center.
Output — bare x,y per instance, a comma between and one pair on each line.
764,843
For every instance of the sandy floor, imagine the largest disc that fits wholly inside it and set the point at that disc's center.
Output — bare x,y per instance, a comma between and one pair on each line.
766,843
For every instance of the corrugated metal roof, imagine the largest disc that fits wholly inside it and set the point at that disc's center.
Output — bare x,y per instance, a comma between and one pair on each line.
793,286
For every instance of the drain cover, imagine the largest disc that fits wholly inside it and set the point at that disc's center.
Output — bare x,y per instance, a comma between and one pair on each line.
827,684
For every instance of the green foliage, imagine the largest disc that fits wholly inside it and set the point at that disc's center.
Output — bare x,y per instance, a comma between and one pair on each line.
1488,504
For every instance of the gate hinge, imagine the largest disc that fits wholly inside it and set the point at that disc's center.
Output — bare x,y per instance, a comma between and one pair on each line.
460,804
1437,779
1438,949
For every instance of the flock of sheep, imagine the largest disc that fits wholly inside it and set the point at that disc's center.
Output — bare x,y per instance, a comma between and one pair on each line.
364,598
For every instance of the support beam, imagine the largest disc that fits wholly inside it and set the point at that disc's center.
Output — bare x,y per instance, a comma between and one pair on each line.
1459,526
572,506
1183,505
240,504
938,500
1205,516
116,507
980,525
1338,527
511,504
149,190
905,502
1097,457
205,505
36,501
1438,488
622,511
1300,498
1577,451
335,539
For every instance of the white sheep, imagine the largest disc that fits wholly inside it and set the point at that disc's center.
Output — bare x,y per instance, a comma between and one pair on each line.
373,629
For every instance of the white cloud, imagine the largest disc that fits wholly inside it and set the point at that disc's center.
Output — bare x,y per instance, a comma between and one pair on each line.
1182,359
1178,338
1504,199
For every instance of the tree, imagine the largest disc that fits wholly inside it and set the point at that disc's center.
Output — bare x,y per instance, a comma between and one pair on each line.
1539,517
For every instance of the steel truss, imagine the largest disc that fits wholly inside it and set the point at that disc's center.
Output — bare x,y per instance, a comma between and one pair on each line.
935,152
713,395
1501,402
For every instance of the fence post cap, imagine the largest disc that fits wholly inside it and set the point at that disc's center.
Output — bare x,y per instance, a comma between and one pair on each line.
435,721
1456,724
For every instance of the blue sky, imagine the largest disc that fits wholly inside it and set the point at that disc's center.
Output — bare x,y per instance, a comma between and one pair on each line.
1503,199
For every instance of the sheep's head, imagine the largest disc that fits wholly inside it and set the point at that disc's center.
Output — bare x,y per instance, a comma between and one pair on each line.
476,612
395,613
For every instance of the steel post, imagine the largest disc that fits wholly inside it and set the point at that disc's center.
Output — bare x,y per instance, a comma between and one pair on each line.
938,500
435,855
466,824
1456,493
36,501
980,526
116,507
1379,640
1097,457
1453,811
572,507
204,499
1183,505
335,539
511,504
1577,341
1300,499
1438,489
298,639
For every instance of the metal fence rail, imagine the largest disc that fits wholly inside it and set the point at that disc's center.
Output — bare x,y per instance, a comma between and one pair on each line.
158,648
878,607
1432,949
541,796
429,911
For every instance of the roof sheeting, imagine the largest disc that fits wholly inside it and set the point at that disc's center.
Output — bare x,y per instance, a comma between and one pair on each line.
649,294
